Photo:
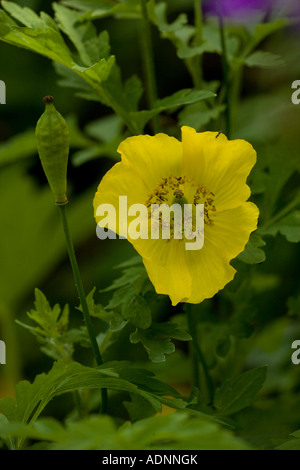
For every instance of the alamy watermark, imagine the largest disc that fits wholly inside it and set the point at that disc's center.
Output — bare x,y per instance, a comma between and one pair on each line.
2,352
296,95
296,354
2,92
178,222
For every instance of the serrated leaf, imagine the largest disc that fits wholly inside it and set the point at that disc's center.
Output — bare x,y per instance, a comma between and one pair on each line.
24,15
135,275
114,319
52,326
47,41
138,312
288,226
177,431
183,97
95,9
31,399
237,394
178,99
138,408
157,339
83,35
253,254
264,60
44,40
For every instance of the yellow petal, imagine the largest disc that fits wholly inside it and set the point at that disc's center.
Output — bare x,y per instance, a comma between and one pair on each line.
209,268
120,180
153,157
232,229
210,273
166,266
220,164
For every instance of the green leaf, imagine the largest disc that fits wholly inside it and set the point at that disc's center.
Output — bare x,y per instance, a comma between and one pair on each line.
253,254
158,15
52,326
135,275
178,99
114,319
25,15
288,226
177,431
264,59
211,43
95,9
157,339
97,151
183,97
41,38
45,39
82,35
68,79
237,394
263,30
31,399
138,408
138,312
133,261
199,114
105,129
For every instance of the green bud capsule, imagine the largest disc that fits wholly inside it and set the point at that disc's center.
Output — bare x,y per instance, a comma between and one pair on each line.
52,136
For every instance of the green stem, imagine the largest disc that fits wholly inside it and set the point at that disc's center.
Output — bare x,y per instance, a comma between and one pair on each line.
199,354
226,79
82,296
196,64
198,21
149,62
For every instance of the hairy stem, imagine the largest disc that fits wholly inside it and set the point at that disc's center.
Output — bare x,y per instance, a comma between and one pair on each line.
82,296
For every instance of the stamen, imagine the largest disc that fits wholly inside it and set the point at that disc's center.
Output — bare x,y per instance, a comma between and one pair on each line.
172,190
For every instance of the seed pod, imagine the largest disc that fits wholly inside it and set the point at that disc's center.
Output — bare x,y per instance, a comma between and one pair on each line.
52,136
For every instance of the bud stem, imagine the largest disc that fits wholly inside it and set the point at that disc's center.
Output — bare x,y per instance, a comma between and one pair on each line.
82,296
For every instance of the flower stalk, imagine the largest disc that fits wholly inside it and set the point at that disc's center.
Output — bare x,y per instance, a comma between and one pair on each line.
52,136
149,63
198,356
226,77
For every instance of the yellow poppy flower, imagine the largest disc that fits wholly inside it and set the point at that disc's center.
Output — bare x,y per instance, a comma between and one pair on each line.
205,168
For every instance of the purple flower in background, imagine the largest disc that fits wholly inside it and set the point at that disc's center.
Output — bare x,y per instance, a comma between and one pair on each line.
289,8
248,9
238,9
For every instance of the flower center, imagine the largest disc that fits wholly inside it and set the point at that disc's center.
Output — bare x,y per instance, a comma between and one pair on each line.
182,190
